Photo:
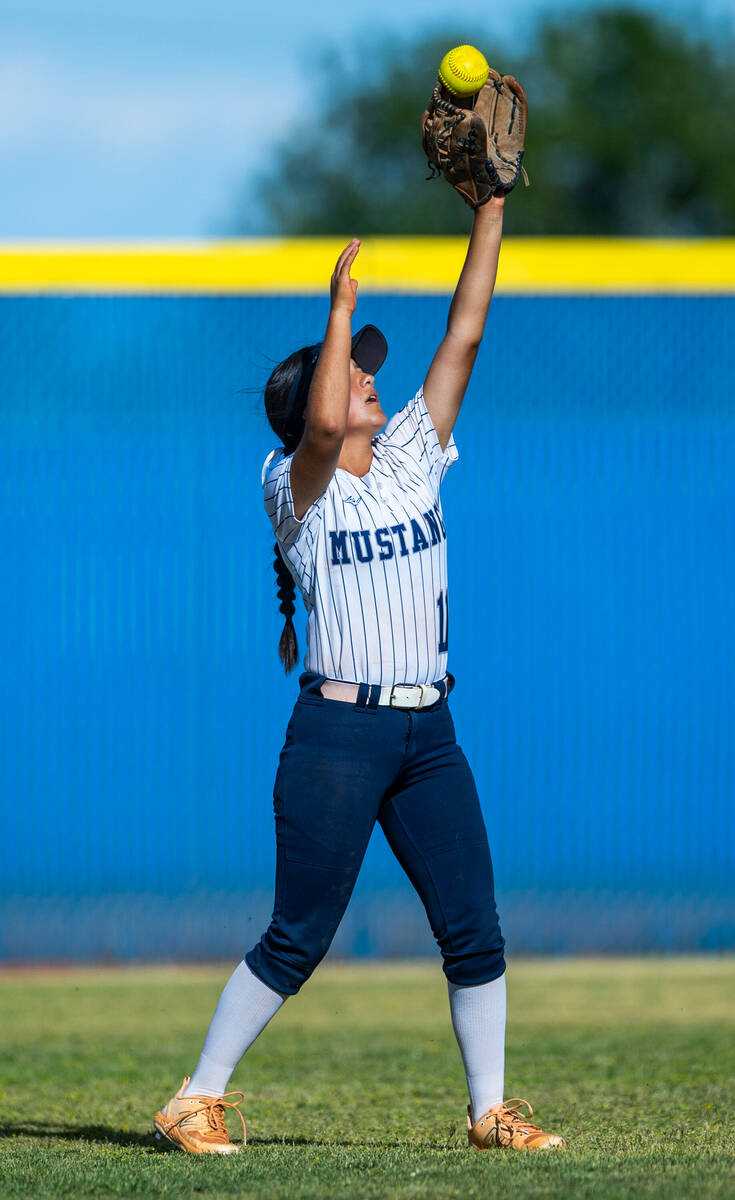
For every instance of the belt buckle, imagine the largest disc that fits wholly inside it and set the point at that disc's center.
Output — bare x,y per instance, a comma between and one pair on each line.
407,685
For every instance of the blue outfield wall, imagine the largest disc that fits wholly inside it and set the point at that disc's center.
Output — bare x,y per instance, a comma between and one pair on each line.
592,567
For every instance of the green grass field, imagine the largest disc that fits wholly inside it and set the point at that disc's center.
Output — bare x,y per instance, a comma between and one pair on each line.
356,1088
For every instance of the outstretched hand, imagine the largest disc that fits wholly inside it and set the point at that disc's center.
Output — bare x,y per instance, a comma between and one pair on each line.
343,289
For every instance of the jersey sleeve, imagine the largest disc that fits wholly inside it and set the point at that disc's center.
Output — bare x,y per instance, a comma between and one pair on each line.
411,433
296,537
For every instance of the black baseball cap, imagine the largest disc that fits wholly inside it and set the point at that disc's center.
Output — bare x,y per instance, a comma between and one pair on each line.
368,349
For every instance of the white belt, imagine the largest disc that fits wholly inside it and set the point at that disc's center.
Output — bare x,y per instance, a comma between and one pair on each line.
397,695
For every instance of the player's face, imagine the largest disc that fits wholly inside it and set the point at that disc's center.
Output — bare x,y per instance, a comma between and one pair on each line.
364,411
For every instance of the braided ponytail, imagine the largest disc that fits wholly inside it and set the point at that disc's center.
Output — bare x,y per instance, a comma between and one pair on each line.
277,391
288,647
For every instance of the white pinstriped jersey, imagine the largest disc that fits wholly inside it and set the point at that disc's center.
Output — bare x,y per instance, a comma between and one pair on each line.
370,557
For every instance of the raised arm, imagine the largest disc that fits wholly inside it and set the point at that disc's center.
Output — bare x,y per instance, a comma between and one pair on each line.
315,458
450,370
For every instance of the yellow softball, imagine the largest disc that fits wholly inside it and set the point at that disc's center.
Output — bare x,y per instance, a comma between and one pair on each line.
463,70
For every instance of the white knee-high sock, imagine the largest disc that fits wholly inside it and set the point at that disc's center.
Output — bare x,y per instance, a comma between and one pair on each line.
244,1009
478,1017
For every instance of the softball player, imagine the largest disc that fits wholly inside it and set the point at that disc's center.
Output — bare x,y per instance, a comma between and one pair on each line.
356,510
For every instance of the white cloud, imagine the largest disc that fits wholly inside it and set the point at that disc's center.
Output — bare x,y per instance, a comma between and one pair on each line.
48,99
106,146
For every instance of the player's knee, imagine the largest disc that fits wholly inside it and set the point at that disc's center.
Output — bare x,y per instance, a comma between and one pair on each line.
470,969
473,951
284,963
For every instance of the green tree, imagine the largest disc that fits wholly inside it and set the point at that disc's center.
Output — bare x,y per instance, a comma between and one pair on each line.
631,132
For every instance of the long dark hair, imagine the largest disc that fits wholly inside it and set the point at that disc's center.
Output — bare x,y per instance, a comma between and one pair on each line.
277,392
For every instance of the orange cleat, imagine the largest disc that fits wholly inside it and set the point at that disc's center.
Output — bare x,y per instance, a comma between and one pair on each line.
503,1125
196,1124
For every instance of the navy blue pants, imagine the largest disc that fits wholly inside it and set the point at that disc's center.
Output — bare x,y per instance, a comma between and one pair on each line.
343,767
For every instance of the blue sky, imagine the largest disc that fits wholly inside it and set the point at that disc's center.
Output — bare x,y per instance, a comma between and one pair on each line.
139,118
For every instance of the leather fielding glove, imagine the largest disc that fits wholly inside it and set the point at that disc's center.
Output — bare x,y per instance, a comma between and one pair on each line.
479,150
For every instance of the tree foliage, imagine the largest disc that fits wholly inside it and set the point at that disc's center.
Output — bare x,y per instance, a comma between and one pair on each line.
631,132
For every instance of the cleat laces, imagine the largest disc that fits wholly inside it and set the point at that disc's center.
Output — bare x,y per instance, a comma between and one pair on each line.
511,1121
214,1108
216,1116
